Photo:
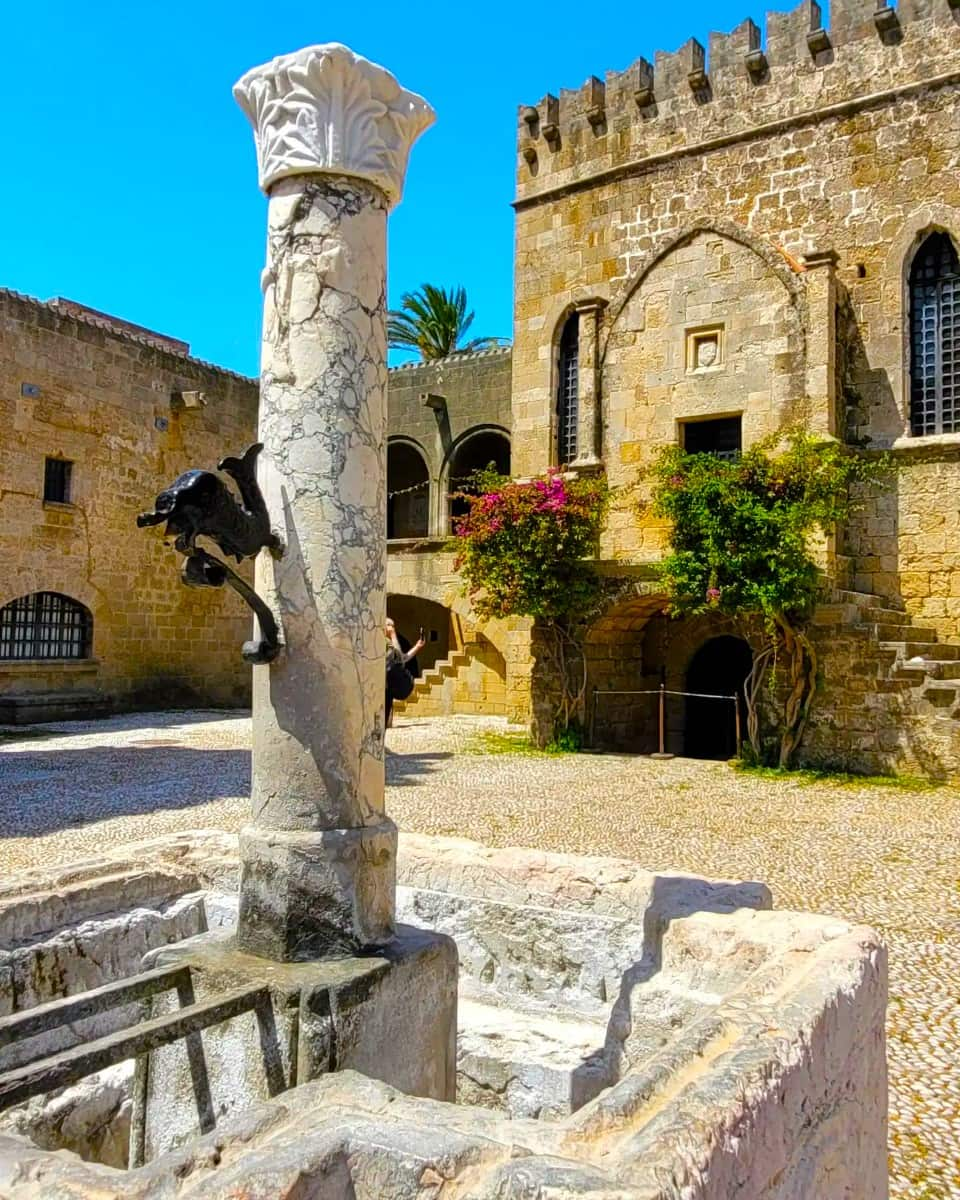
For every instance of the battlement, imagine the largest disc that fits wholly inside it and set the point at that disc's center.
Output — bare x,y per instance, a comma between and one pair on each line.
742,83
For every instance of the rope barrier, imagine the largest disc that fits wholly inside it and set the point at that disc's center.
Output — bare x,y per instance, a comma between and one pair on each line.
662,691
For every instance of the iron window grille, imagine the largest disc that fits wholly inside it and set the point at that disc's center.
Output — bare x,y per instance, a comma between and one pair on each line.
56,480
935,338
44,625
568,408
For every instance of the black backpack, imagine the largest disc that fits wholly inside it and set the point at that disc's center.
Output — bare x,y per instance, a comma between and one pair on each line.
400,682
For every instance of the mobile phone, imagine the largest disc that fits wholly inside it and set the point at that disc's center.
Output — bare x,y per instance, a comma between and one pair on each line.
421,633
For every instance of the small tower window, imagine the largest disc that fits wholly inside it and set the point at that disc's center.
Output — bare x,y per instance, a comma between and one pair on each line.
56,480
567,405
935,338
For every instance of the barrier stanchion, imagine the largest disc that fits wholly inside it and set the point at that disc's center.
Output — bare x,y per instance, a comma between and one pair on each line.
662,751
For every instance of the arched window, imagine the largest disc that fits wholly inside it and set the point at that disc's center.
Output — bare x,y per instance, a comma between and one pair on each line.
567,406
45,625
476,452
408,492
935,337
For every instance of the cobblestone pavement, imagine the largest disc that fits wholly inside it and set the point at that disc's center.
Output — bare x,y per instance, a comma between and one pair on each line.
881,855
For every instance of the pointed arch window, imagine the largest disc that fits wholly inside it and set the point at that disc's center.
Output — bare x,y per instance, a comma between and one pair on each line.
45,625
935,338
568,409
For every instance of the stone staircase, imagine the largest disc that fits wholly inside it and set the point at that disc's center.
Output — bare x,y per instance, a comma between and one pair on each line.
918,661
435,676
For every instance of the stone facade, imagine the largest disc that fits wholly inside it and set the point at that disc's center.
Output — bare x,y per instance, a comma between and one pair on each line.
108,397
733,229
123,406
766,204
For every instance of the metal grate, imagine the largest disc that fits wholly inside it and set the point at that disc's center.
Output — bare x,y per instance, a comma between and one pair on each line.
44,625
56,480
935,338
568,409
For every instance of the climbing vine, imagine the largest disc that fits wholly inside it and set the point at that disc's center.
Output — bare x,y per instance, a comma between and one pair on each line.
740,545
525,550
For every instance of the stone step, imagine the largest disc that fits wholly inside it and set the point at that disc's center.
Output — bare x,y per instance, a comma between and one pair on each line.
893,633
442,669
862,599
933,650
886,616
940,695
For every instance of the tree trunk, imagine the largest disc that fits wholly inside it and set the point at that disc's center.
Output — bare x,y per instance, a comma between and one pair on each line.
803,684
751,690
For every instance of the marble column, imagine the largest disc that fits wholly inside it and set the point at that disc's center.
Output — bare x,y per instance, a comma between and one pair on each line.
333,133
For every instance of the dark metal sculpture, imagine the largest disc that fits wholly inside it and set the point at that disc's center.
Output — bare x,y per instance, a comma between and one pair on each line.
199,504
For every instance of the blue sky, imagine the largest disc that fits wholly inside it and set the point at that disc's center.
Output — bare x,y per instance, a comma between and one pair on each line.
130,181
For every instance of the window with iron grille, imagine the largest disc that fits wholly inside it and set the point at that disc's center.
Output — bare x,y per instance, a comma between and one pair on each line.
935,338
45,625
56,480
568,410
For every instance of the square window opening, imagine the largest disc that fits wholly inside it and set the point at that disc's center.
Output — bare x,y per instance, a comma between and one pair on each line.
722,436
56,480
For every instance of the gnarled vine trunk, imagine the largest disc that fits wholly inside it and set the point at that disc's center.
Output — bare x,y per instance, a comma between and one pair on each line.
802,664
569,662
791,644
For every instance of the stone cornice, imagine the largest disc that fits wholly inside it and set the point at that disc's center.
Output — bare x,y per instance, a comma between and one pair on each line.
326,110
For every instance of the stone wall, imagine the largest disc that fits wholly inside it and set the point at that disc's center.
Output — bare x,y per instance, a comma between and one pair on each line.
730,1048
777,196
106,396
490,660
109,402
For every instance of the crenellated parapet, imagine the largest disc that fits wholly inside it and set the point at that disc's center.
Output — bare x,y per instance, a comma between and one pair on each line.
743,84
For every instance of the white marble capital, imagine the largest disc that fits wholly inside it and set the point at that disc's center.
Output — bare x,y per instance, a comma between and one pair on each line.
325,110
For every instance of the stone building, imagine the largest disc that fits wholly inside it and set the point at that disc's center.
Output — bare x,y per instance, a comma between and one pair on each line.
710,248
728,242
98,416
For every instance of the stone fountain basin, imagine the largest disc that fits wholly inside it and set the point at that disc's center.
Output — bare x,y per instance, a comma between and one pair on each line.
633,1027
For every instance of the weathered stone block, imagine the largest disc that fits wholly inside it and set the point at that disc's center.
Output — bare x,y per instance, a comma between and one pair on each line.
392,1016
307,895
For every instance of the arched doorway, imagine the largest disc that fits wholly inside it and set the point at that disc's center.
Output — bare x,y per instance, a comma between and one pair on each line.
411,614
408,492
475,452
718,668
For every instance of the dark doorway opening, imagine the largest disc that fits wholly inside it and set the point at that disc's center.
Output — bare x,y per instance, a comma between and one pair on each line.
719,668
408,492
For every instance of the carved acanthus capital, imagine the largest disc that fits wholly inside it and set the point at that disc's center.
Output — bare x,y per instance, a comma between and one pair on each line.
326,110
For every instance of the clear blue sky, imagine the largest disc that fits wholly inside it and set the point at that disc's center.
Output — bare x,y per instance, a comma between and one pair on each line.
130,176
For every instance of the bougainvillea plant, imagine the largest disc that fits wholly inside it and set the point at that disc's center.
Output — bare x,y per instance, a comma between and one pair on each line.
740,545
525,549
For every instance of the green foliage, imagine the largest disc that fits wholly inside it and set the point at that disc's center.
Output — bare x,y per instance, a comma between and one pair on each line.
567,739
740,528
493,742
434,322
523,546
838,779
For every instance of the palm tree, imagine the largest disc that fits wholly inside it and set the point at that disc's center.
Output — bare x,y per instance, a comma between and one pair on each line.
434,321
